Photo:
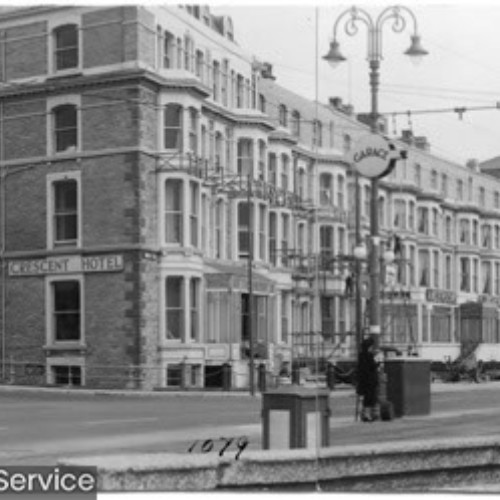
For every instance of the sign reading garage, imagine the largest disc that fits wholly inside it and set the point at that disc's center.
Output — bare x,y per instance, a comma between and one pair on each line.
67,265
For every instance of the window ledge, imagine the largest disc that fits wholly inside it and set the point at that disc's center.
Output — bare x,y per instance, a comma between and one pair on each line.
64,73
51,349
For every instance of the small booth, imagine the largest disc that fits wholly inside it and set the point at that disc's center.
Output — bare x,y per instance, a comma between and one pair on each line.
409,385
295,417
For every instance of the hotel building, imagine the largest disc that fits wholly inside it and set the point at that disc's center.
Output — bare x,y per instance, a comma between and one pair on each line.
145,158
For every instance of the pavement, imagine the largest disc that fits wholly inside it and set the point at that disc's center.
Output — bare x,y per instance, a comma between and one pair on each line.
339,391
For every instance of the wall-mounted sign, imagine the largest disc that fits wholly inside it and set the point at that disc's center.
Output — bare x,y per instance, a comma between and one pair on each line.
395,294
67,265
374,156
489,300
441,296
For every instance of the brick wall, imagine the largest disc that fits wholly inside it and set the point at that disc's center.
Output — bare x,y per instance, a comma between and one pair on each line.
109,203
150,309
109,36
23,52
148,200
147,116
24,128
146,32
109,118
107,328
26,208
25,326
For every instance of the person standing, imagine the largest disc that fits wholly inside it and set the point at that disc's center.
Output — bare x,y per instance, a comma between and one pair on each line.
367,386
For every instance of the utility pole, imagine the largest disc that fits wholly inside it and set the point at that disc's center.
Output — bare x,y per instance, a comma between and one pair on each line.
250,283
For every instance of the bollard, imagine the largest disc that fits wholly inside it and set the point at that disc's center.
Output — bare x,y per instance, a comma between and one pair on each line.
330,376
262,377
226,377
295,417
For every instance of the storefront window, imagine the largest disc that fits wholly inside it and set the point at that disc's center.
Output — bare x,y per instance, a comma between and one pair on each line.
441,324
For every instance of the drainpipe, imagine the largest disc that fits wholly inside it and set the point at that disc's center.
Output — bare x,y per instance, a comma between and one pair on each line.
3,179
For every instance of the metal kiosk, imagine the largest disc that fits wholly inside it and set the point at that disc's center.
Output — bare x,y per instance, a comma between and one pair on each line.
295,417
409,385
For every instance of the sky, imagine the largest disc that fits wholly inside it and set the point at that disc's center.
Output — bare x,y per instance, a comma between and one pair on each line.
462,69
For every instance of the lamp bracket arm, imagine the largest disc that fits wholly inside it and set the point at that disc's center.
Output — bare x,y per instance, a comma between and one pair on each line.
397,13
354,14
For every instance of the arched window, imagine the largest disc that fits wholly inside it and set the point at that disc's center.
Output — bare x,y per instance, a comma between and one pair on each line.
434,180
65,212
460,189
66,47
301,184
65,128
347,143
340,192
317,139
325,190
239,91
216,80
168,50
193,130
411,215
418,175
219,229
272,169
326,243
262,159
200,65
444,185
179,53
219,150
448,238
285,168
262,103
188,52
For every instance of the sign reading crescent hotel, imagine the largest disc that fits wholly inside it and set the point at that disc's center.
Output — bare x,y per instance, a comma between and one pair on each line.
372,155
67,264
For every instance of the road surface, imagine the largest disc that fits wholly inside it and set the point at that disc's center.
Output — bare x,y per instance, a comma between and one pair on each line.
41,427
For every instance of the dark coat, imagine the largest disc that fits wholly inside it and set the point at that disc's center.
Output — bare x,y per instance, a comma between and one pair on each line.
367,372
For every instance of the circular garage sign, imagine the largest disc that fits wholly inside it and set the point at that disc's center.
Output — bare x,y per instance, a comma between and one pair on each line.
373,155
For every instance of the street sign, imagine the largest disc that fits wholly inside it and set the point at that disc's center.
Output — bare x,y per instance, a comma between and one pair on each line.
374,156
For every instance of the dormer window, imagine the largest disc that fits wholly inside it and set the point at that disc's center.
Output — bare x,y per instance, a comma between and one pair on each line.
434,180
283,116
317,133
66,47
296,123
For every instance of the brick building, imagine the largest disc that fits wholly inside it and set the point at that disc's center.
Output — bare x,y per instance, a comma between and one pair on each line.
145,156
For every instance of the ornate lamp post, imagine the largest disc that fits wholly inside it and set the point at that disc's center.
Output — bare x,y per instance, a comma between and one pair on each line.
399,16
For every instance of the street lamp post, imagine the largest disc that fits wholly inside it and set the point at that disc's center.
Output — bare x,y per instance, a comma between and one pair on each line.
399,16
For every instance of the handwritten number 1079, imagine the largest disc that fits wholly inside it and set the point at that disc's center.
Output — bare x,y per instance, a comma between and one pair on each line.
208,445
